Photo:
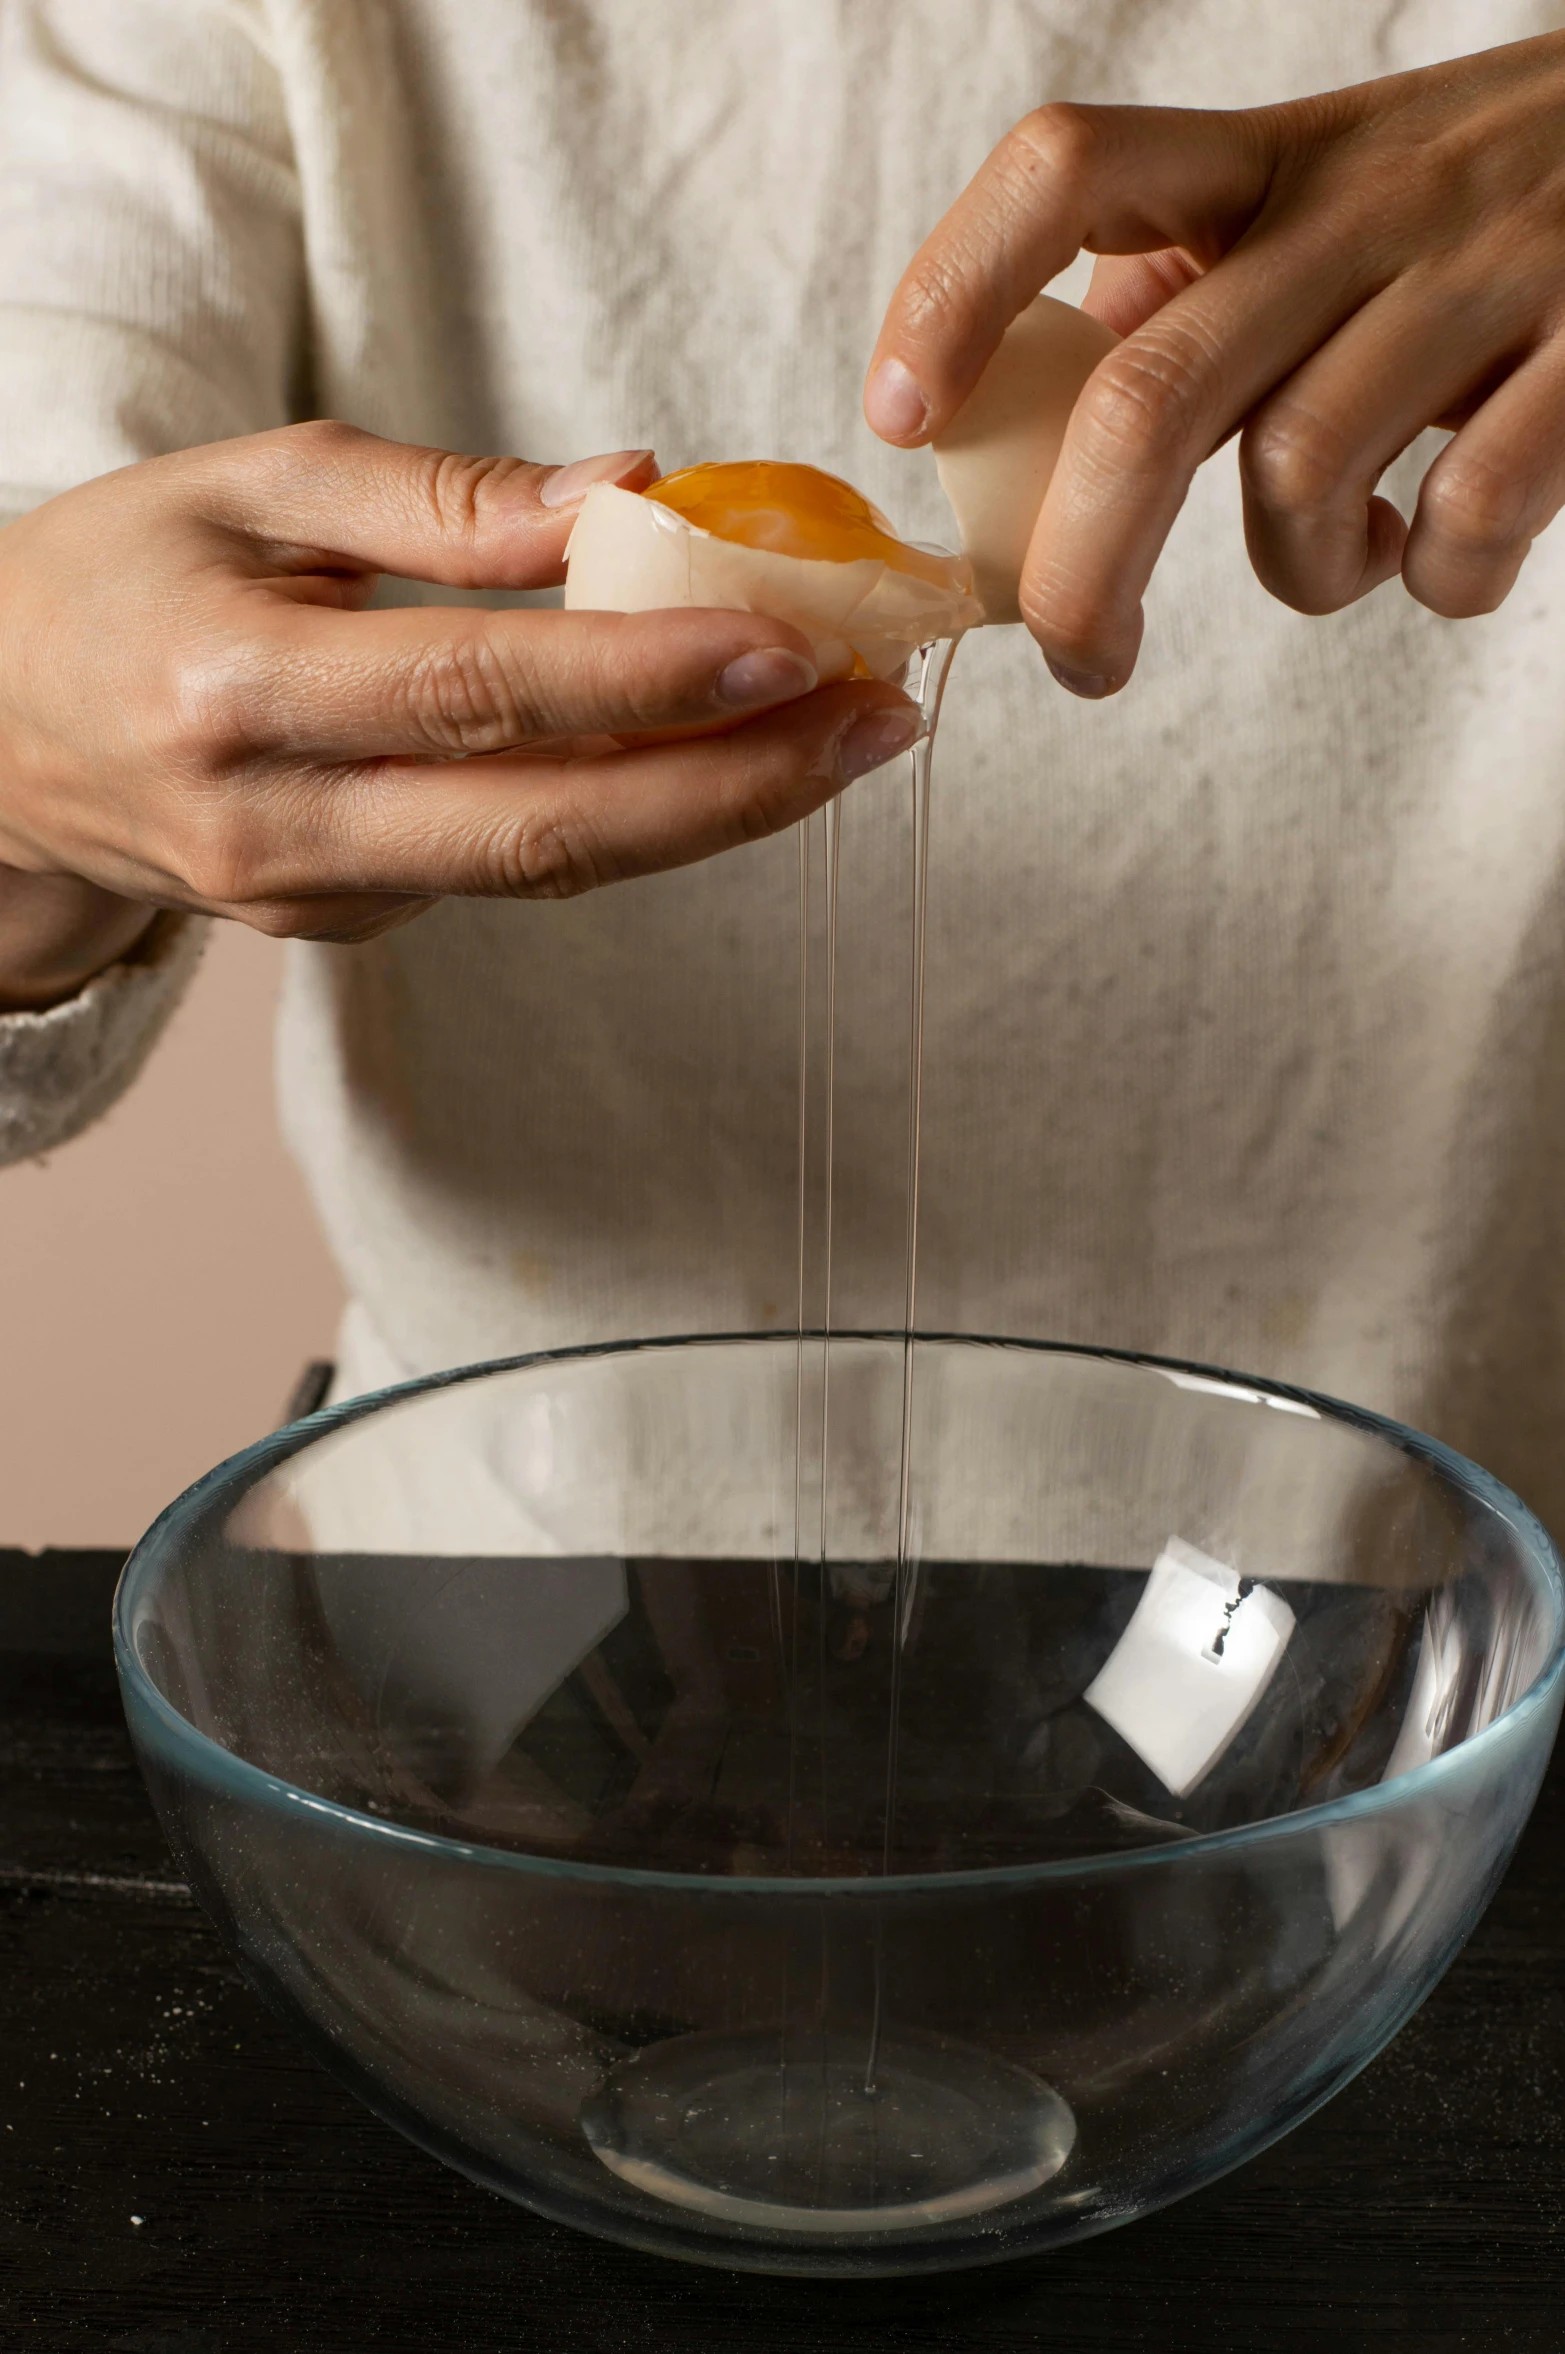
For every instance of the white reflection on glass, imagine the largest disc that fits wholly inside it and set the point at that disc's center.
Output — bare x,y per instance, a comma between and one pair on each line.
1185,1675
1207,1385
1442,1654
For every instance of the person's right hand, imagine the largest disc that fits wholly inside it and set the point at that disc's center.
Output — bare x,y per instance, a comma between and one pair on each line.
196,712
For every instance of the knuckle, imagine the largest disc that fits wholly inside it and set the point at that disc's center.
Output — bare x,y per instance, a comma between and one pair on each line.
218,864
1055,145
771,804
245,851
208,720
1450,172
549,855
1060,141
1477,507
321,440
1146,402
456,494
1292,458
465,697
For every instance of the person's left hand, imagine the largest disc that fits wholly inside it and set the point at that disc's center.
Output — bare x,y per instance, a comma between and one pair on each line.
1329,277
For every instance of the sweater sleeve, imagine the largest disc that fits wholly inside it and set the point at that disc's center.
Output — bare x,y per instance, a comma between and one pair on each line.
60,1069
151,297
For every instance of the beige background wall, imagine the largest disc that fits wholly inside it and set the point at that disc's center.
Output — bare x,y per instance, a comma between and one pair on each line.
161,1279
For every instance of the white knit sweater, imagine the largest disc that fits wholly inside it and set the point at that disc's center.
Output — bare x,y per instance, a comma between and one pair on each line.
1246,992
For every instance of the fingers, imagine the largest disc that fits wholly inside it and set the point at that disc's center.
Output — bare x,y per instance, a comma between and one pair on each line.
328,489
530,826
1158,405
448,681
1116,179
1312,454
1127,288
1490,492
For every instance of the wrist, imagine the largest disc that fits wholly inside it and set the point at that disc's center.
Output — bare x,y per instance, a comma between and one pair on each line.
57,933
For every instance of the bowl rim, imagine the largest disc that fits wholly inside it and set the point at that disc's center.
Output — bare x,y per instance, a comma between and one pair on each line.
235,1776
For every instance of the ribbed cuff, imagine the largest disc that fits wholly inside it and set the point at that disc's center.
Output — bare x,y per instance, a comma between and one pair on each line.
62,1069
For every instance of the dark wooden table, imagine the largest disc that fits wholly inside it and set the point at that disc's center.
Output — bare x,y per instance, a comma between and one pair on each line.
176,2178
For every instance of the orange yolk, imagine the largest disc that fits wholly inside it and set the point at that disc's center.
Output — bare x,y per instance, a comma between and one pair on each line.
794,511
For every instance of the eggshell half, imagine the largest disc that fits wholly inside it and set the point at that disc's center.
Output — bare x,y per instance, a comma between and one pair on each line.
999,450
628,554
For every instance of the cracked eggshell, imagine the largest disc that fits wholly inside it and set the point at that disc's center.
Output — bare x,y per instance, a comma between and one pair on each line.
628,554
999,450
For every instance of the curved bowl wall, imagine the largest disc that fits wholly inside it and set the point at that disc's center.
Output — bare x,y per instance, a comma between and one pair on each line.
866,1917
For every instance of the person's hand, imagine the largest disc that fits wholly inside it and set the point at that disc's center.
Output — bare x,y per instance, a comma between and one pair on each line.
1330,276
195,711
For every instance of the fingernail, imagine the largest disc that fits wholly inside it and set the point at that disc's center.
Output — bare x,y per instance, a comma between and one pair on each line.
770,675
1089,684
873,740
894,403
569,483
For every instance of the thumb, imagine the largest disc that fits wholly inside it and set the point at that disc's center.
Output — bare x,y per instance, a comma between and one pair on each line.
332,491
1115,179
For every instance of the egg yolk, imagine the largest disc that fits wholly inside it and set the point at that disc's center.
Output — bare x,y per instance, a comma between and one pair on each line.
794,511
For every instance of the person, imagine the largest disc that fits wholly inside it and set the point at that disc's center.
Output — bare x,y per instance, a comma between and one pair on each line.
1246,999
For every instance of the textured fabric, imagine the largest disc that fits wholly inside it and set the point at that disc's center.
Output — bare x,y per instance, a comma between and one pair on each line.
1246,996
59,1069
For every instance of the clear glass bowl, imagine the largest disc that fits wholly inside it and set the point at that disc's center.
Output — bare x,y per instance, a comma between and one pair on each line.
858,1921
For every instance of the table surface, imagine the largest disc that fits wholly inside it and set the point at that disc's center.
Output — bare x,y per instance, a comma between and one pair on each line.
176,2177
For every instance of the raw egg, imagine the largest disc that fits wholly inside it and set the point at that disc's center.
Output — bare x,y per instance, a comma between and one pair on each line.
999,450
761,536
